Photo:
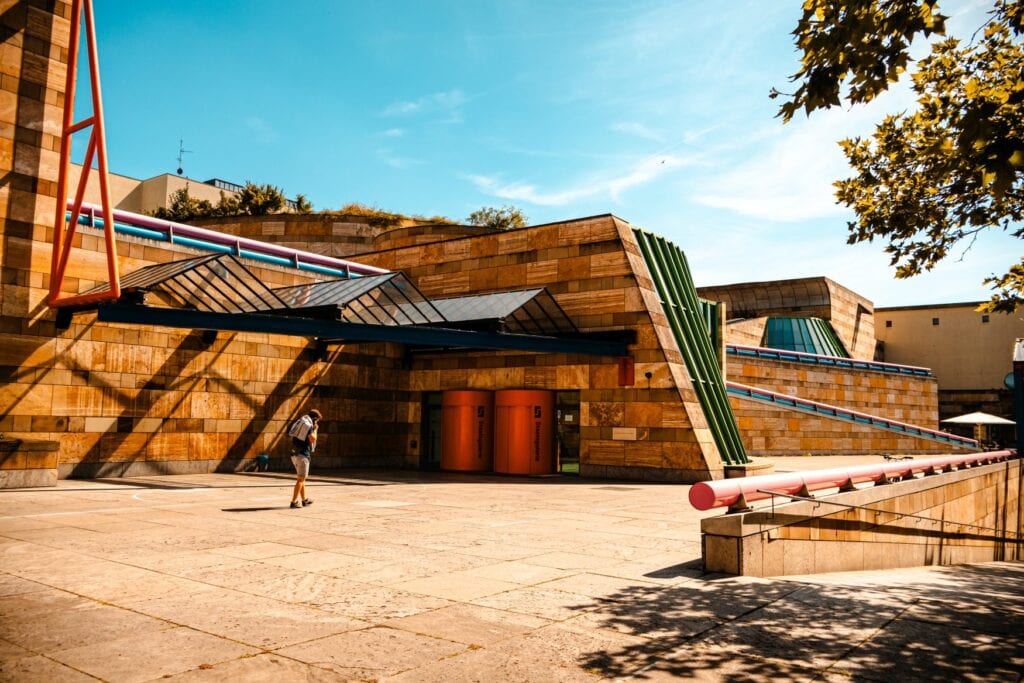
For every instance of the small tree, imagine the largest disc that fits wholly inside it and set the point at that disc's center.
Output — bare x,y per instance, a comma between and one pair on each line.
227,206
185,207
302,204
260,200
505,218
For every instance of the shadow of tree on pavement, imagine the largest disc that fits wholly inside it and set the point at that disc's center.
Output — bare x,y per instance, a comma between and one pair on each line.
947,623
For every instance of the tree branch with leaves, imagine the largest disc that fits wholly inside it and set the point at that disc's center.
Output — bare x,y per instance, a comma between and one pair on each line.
944,172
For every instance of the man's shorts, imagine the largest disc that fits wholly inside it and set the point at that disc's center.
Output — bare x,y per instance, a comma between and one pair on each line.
301,463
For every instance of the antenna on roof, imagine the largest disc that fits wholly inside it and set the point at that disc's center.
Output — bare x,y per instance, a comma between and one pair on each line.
181,151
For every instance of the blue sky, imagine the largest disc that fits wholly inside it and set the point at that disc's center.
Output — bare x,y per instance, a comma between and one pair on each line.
655,111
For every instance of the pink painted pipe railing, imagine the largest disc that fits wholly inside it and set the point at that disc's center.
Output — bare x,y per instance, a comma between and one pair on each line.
706,495
854,416
821,359
231,240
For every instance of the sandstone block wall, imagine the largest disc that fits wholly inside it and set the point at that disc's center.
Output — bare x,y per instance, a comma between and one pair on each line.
124,400
334,236
338,236
770,430
853,318
767,431
904,398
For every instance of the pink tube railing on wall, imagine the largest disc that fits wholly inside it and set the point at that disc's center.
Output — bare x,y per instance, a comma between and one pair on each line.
706,495
853,416
193,232
818,359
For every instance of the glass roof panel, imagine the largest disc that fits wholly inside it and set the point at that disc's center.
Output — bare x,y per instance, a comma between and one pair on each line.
528,311
807,335
218,282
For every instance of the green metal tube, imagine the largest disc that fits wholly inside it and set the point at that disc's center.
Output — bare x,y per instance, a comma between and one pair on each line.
717,401
692,326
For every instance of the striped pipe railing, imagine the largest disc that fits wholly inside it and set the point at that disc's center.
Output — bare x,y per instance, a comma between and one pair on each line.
737,493
130,223
854,416
833,361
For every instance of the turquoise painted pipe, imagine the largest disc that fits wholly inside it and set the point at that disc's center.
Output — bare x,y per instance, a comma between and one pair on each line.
212,246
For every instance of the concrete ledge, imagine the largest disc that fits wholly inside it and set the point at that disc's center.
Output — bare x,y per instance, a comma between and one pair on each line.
750,469
27,479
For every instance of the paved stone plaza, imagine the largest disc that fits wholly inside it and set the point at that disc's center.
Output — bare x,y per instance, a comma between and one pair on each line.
430,577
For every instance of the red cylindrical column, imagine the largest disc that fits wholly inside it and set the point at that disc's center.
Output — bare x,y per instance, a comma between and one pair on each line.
524,431
467,431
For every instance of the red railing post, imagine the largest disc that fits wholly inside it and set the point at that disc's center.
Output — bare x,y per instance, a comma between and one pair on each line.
64,230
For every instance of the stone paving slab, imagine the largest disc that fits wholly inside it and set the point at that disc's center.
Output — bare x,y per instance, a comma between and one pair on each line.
440,577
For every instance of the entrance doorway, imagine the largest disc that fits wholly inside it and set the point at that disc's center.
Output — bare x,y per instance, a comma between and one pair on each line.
567,431
430,431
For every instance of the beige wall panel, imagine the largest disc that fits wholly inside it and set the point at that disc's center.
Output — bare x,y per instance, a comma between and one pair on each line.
963,351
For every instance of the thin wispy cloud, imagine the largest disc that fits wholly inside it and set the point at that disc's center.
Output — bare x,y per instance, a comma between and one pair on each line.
397,161
262,130
448,102
636,129
786,173
393,133
613,187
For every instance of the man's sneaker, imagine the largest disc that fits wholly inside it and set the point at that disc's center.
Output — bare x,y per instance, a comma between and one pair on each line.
296,504
307,502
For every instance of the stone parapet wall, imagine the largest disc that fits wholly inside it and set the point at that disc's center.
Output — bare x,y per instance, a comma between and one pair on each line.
967,516
413,235
338,236
334,236
904,398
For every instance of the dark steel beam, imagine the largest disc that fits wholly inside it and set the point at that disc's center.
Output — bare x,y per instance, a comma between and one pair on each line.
353,332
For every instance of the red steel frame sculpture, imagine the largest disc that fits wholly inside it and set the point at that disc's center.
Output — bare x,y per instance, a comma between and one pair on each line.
64,230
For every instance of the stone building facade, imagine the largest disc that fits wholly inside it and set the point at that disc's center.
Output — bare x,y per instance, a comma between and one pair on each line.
128,399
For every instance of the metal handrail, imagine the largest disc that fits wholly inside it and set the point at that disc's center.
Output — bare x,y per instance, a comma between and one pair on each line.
737,493
857,417
818,359
171,228
896,515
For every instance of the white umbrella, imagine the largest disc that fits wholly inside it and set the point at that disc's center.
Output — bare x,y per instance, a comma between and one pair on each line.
979,419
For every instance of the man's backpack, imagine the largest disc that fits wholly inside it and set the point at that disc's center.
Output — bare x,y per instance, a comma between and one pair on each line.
300,428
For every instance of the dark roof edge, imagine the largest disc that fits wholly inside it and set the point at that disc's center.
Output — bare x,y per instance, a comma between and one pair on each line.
924,307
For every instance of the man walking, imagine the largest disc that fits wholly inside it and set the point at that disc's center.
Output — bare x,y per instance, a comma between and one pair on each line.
303,432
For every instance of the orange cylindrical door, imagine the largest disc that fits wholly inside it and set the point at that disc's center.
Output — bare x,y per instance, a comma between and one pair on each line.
467,431
524,431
